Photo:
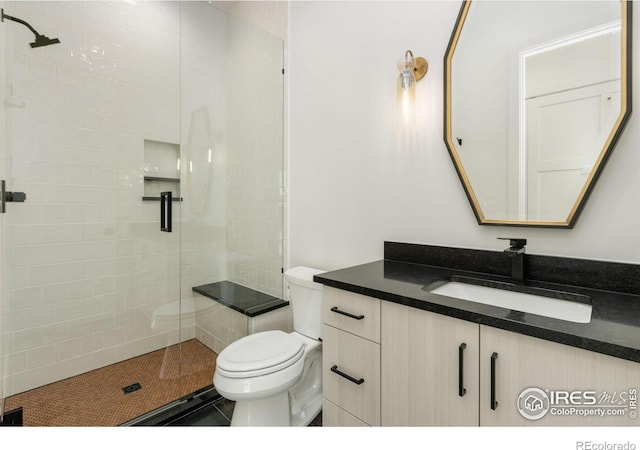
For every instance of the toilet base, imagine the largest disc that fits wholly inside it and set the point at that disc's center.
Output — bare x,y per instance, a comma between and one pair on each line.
274,412
305,398
306,416
264,412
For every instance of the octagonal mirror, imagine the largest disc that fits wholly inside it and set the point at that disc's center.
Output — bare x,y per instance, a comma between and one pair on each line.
536,96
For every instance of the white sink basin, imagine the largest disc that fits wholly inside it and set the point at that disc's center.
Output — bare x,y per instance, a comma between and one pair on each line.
519,301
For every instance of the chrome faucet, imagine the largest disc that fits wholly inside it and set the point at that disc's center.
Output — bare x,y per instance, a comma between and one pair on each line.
516,253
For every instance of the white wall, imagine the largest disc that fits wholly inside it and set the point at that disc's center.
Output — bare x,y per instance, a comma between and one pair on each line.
354,184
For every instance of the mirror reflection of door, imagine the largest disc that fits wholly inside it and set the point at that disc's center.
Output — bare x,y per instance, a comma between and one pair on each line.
569,112
561,130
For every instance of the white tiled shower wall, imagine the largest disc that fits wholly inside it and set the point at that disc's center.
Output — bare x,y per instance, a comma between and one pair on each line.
85,265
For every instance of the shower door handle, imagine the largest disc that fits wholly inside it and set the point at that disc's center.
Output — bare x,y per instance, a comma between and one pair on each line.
165,211
7,196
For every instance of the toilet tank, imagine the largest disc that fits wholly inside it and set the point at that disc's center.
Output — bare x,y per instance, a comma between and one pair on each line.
306,301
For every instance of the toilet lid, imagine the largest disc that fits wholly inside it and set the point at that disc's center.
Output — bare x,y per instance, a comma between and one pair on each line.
260,354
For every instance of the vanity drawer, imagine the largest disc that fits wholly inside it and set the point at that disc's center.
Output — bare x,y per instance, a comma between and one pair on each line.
351,312
351,374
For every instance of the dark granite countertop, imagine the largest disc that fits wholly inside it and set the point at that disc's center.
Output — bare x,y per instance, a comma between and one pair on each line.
247,301
614,328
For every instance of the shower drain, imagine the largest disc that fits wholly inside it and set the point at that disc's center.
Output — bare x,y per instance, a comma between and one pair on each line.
131,388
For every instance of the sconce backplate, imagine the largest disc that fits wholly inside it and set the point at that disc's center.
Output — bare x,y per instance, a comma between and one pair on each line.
420,70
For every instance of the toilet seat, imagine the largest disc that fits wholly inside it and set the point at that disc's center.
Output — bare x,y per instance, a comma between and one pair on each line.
260,354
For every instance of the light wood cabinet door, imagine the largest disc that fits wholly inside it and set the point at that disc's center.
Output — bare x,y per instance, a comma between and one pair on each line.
422,354
351,374
334,416
562,385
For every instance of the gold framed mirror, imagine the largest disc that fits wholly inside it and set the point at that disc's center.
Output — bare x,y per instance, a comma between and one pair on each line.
536,96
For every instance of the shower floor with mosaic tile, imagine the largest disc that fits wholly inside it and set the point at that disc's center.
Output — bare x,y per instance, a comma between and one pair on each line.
98,398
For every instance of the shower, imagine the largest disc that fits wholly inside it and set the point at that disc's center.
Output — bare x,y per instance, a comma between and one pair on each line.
140,99
41,39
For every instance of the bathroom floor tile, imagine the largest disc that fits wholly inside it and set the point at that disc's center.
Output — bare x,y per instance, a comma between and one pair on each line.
96,398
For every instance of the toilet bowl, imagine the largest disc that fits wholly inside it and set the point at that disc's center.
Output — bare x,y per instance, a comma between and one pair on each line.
274,377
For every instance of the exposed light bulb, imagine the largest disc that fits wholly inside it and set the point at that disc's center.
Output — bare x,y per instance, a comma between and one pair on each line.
407,89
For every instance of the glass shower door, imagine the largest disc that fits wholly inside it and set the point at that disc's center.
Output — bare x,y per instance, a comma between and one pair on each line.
232,177
90,296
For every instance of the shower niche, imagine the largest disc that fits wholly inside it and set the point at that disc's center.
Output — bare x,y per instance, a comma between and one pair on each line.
161,169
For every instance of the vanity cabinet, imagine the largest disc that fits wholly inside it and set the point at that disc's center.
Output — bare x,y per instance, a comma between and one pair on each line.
429,368
393,365
351,359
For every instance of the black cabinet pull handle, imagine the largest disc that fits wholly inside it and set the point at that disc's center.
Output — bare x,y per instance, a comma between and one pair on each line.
335,369
353,316
165,211
494,403
461,389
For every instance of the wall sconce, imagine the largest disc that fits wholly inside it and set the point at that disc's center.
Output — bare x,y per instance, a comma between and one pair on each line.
412,70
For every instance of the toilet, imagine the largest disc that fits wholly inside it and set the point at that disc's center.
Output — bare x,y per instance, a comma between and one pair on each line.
274,377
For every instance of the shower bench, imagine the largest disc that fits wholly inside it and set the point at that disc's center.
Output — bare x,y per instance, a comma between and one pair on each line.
239,311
